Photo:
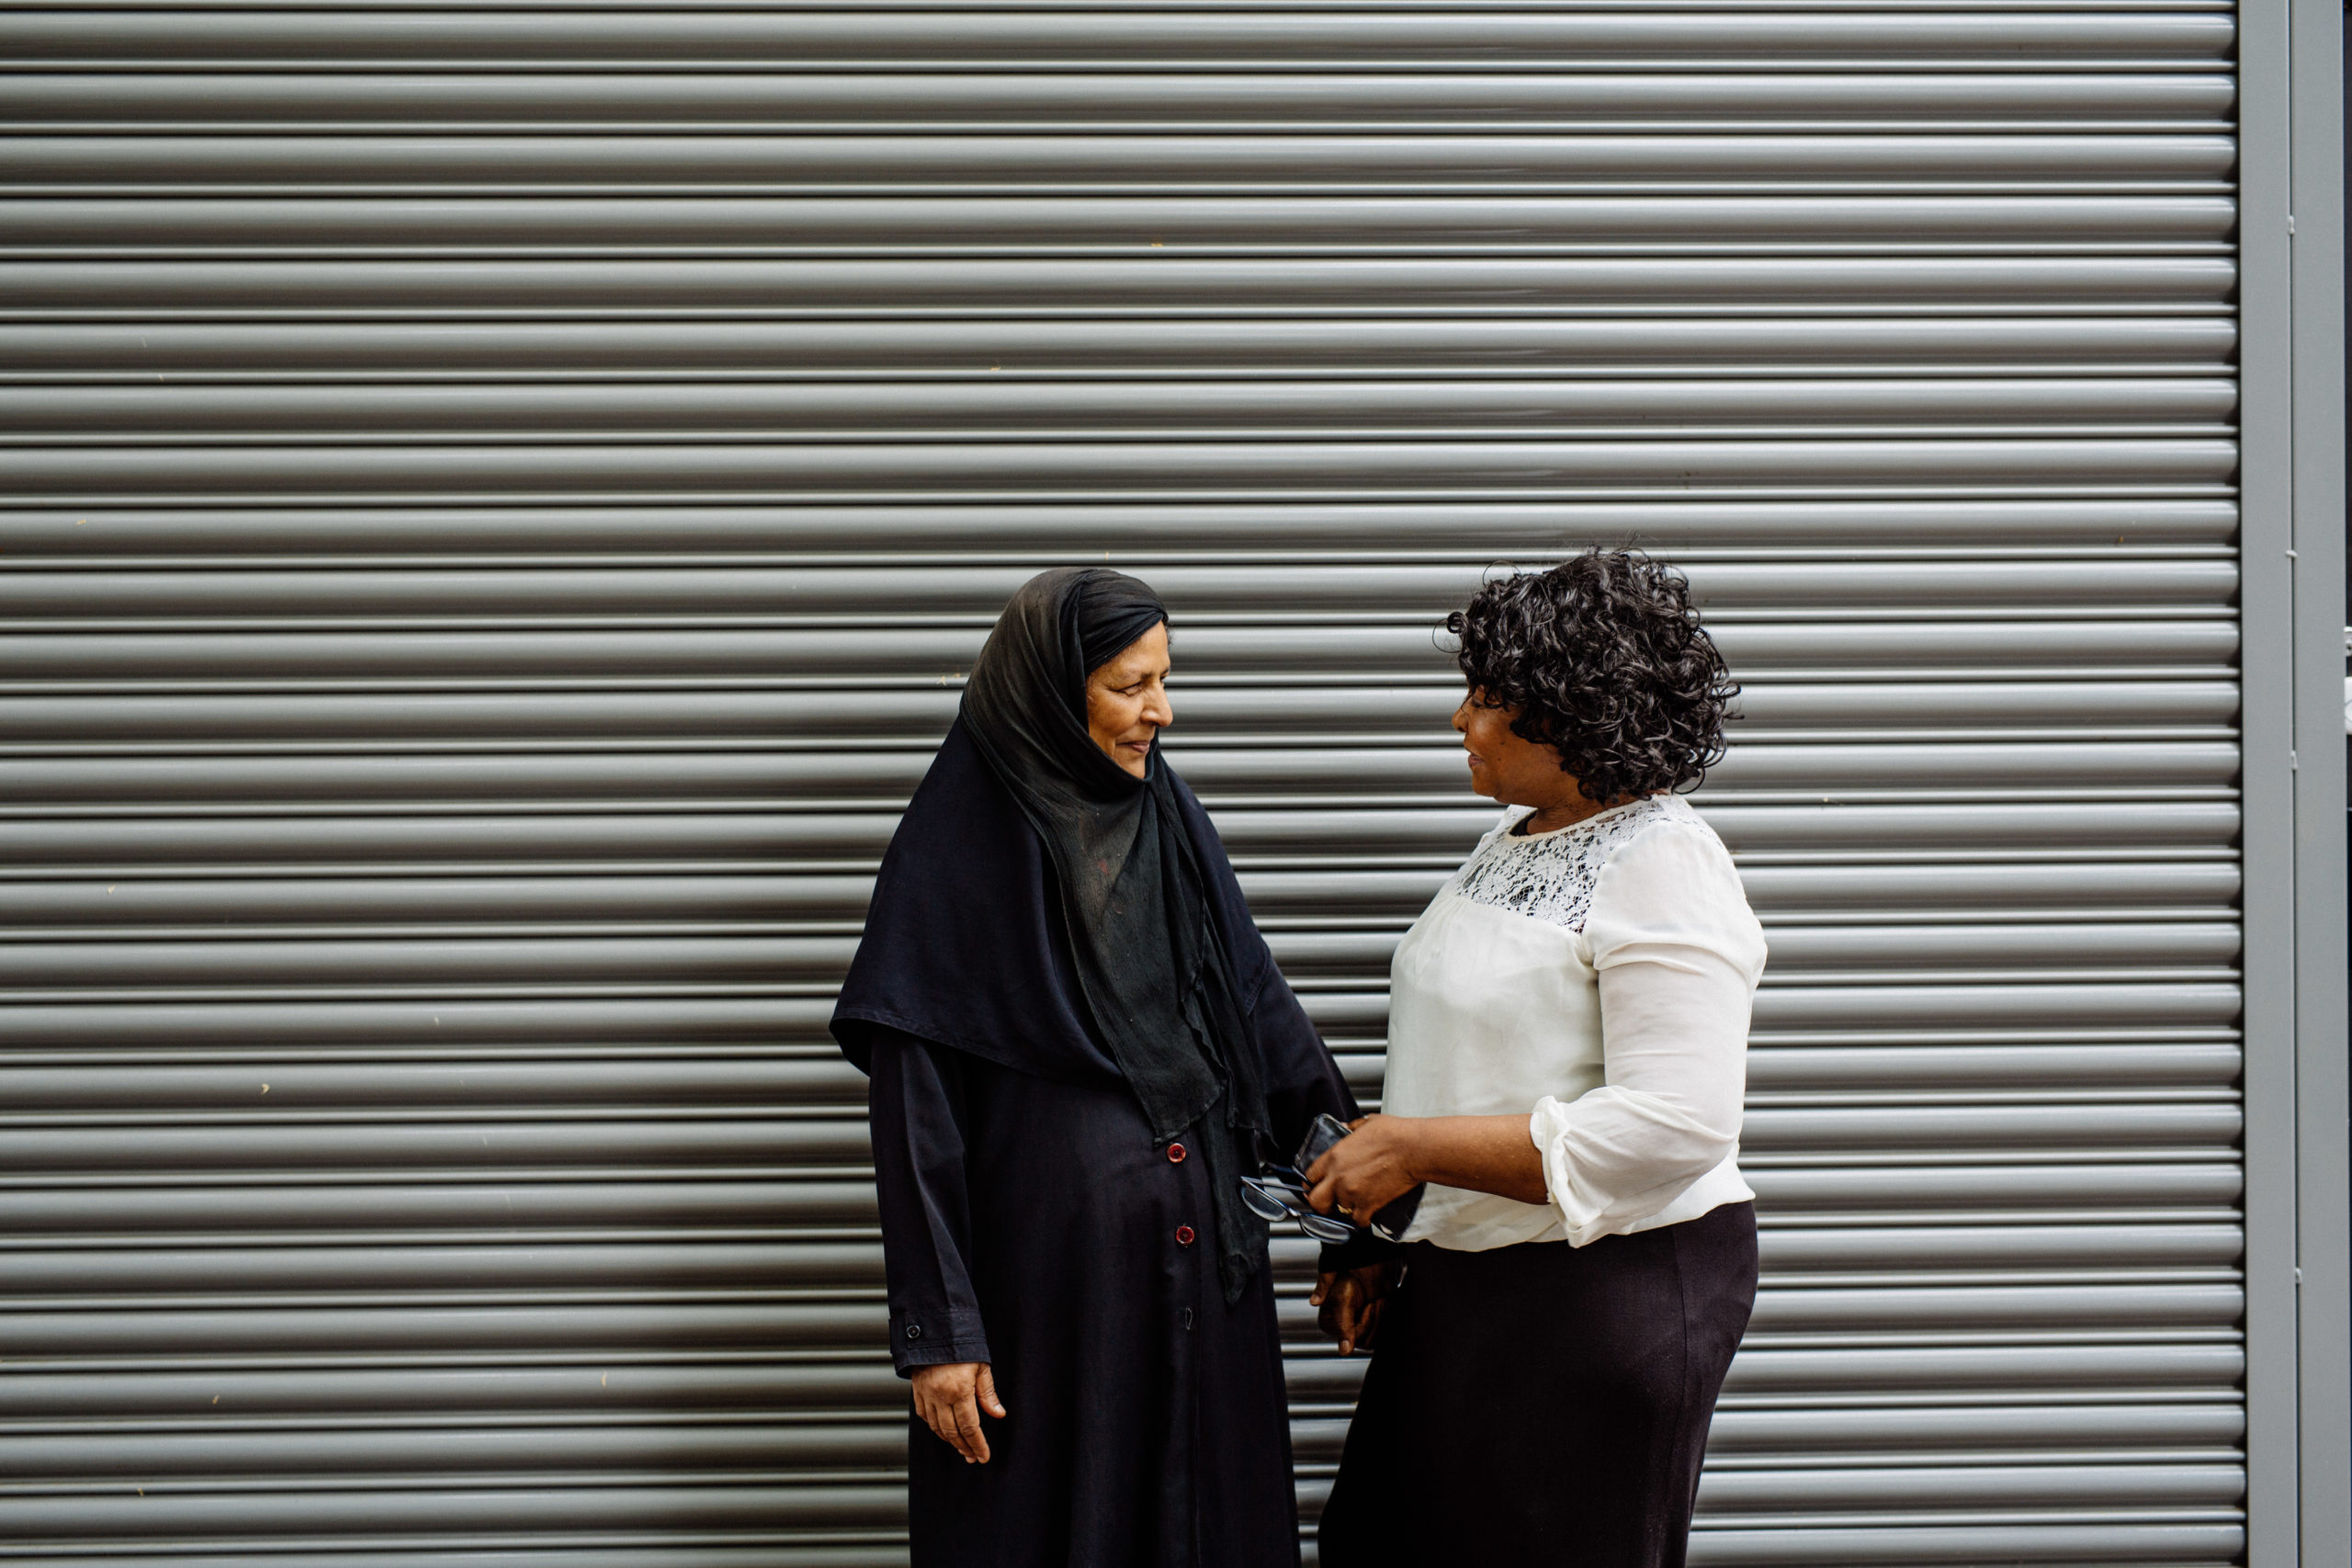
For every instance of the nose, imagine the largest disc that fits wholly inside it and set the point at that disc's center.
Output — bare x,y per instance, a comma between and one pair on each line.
1157,711
1462,717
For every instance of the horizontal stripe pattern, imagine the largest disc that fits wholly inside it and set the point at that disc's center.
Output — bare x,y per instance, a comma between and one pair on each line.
501,503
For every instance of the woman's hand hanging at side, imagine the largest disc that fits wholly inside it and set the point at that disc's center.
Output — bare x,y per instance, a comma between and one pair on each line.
949,1398
1350,1302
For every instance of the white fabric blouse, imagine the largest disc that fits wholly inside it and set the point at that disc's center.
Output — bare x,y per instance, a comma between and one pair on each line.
1598,979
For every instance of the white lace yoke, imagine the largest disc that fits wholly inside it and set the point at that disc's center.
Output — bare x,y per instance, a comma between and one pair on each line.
1550,876
1596,980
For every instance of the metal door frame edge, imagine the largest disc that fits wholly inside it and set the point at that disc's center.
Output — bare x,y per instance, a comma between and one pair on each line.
2299,1208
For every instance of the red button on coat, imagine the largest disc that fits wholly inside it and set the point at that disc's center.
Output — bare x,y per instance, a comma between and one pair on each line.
1175,1154
1183,1235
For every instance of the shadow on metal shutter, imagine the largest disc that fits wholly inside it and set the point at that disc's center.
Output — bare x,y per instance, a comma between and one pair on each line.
499,501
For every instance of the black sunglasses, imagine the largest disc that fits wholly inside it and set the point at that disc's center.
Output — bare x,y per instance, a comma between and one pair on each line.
1281,1194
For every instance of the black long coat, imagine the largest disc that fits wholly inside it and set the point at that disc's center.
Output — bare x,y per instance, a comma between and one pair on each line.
1031,1222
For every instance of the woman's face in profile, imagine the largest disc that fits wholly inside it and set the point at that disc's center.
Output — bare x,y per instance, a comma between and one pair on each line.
1126,701
1506,766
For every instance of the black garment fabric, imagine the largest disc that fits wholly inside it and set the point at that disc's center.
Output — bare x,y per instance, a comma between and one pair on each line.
1155,976
1036,1225
1032,1219
1544,1403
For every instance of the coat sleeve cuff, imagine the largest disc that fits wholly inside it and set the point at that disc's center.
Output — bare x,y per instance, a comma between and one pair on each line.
1359,1252
937,1353
939,1337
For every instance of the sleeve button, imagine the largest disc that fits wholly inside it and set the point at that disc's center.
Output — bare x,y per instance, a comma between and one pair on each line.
1176,1153
914,1331
1183,1235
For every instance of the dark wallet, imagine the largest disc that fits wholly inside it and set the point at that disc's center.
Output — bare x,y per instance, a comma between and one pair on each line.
1389,1223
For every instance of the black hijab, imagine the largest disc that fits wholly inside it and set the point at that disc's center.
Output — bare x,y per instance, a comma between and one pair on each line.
1120,964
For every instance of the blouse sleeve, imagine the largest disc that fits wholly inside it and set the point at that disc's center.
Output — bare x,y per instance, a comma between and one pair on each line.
1677,954
916,1107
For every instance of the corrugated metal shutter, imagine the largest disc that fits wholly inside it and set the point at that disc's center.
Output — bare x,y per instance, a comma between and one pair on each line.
498,500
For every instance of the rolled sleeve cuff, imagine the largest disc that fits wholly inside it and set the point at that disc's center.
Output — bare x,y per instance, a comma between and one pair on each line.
1547,1128
1588,1211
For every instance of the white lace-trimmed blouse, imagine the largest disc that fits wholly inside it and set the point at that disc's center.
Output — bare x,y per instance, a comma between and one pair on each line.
1598,979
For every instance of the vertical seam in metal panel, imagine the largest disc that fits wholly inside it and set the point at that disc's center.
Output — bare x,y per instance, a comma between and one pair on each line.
2323,1204
2266,611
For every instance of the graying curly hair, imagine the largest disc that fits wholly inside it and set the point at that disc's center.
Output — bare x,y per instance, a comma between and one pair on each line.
1603,658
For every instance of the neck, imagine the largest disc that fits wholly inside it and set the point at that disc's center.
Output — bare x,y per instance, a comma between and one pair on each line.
1568,813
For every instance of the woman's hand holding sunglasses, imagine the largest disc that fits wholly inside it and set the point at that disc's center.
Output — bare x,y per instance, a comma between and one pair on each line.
1365,1172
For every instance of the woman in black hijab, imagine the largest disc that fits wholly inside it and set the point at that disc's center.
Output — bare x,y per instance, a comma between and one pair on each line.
1079,1043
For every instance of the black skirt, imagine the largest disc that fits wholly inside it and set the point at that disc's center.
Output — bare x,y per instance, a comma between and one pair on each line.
1543,1404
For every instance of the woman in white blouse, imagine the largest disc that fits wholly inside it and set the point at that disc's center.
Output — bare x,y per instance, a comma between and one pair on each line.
1568,1040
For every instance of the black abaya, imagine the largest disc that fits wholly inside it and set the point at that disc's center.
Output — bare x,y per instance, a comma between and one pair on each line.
1035,1225
1033,1220
1135,949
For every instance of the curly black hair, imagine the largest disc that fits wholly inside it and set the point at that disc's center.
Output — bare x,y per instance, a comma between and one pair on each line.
1603,658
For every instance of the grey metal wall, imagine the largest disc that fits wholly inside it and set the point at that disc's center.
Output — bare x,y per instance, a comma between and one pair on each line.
496,505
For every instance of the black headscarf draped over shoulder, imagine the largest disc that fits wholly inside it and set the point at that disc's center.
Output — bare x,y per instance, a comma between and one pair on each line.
1120,964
